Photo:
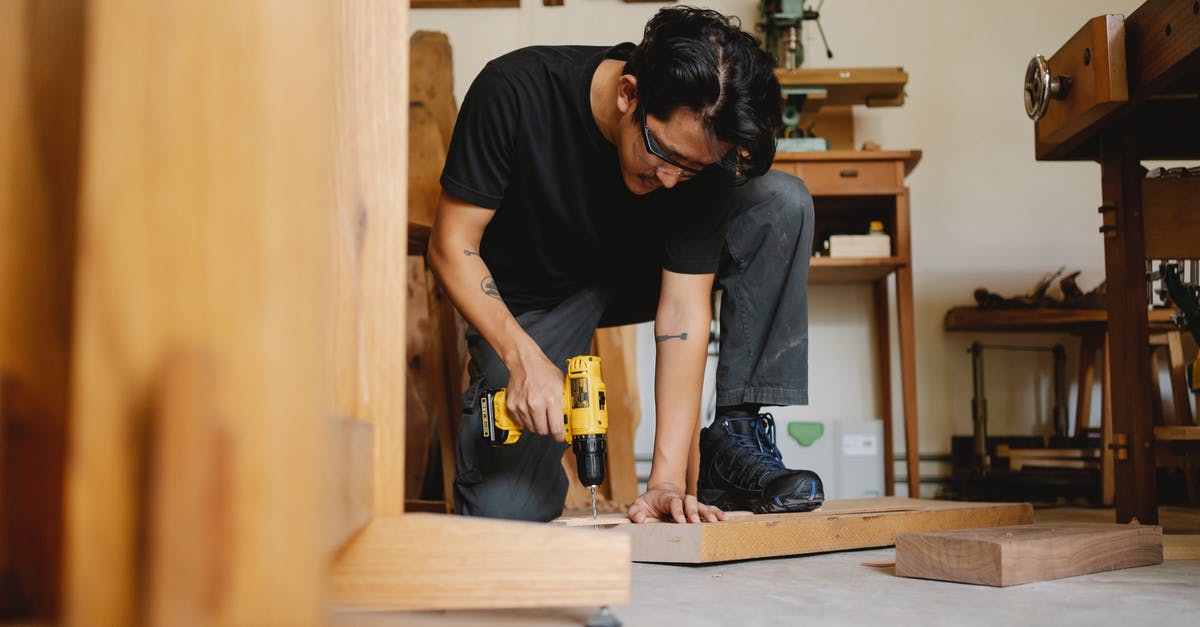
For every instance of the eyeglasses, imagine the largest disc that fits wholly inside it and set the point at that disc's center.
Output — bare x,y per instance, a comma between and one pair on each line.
680,171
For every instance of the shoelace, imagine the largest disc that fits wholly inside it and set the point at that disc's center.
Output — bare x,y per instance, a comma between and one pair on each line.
757,454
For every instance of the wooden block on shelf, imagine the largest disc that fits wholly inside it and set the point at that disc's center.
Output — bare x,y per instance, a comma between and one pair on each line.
1006,556
840,525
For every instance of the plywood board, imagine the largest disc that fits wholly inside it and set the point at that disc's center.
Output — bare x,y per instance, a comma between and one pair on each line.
1006,556
436,561
841,525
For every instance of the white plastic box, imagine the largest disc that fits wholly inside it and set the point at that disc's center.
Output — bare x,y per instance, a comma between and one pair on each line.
860,246
847,455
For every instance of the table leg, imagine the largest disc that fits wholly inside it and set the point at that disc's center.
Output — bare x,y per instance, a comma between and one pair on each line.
908,376
1124,257
883,360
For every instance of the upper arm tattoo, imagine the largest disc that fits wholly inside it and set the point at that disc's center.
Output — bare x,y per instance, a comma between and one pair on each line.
470,252
658,339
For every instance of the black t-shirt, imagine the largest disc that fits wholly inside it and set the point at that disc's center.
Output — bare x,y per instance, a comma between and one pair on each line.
526,145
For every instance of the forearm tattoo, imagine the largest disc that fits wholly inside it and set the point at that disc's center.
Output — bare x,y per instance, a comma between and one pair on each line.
489,287
659,339
470,252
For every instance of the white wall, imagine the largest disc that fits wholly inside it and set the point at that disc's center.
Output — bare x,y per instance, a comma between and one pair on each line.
984,212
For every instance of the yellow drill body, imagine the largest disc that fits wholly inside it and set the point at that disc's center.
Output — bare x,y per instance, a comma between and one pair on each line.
585,417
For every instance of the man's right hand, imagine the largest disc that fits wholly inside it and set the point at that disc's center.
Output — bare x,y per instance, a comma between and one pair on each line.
535,396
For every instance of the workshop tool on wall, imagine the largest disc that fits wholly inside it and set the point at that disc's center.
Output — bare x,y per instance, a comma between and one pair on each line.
1185,297
585,419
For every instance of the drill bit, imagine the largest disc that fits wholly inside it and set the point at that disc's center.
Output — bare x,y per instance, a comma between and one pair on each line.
593,488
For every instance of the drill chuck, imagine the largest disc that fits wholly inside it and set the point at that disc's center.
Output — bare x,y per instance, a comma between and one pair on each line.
589,458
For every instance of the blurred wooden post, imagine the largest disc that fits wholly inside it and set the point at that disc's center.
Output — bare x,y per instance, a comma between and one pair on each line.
203,240
41,57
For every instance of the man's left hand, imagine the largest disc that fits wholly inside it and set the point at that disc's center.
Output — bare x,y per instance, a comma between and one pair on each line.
668,502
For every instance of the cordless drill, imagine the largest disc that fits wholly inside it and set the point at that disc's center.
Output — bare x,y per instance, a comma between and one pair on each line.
585,417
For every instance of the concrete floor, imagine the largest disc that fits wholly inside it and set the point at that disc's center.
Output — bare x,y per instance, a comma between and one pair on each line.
837,589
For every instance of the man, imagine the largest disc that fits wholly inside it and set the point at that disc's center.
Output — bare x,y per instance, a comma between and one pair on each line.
590,187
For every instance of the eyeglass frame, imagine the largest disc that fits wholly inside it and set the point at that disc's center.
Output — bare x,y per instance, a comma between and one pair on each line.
655,150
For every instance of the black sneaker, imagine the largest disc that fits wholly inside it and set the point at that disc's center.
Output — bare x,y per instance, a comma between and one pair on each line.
741,468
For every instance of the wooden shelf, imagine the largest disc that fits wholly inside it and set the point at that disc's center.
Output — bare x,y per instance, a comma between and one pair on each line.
870,86
1045,319
827,270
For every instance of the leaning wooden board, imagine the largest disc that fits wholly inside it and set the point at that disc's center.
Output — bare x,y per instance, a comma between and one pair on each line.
839,525
1006,556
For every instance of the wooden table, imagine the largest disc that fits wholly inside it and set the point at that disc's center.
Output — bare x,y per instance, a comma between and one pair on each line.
1133,97
851,188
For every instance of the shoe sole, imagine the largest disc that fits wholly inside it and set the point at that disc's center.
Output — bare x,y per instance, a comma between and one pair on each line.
789,506
724,501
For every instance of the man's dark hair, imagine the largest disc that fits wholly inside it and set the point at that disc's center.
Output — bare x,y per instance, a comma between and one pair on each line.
703,61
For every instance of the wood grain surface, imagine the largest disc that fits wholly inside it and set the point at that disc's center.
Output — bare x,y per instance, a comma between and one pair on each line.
1006,556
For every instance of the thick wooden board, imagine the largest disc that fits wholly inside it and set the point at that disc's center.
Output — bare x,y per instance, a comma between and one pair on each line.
435,561
203,228
370,234
775,535
1171,210
1006,556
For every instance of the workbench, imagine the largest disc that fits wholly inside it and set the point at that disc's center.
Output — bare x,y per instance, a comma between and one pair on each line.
1132,96
850,189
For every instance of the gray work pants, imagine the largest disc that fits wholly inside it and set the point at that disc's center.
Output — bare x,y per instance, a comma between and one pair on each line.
763,353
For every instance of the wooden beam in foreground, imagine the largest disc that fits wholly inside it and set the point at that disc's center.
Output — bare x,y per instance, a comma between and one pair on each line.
1006,556
434,561
839,526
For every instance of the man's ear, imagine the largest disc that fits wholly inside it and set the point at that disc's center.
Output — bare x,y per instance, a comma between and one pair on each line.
626,93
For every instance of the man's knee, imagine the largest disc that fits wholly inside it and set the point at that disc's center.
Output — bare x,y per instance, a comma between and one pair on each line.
780,199
773,211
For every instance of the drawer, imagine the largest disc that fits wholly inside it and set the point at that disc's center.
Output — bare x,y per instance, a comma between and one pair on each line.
851,177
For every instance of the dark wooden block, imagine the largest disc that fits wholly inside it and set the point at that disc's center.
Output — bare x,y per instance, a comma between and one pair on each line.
1006,556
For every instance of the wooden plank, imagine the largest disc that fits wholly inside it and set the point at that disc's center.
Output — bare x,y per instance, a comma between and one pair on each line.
829,270
611,520
350,480
434,561
1177,433
1181,546
1040,320
203,226
777,535
617,348
41,65
1007,556
1171,207
371,74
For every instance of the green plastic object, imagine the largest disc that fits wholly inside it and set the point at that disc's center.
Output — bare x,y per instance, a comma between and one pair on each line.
806,432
